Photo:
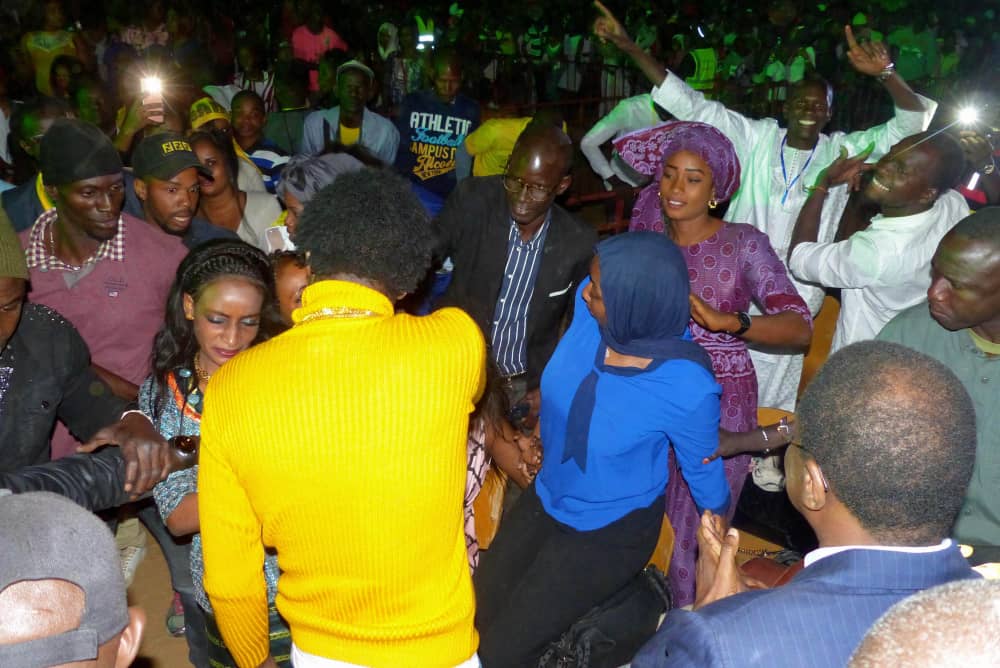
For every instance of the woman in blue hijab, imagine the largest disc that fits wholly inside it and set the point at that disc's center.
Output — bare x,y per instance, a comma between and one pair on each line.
624,384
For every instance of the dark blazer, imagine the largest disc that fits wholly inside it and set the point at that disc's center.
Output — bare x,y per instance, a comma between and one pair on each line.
816,620
473,228
51,379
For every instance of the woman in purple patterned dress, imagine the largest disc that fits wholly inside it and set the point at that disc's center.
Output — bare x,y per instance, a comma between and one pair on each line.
730,265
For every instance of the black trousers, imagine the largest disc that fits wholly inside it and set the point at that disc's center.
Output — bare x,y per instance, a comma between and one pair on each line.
539,576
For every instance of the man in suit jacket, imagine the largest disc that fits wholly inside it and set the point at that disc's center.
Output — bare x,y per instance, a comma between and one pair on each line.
518,256
879,469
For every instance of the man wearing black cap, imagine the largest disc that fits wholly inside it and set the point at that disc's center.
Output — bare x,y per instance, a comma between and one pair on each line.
166,182
106,272
25,202
351,122
61,609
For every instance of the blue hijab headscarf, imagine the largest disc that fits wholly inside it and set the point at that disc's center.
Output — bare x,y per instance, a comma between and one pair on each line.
645,286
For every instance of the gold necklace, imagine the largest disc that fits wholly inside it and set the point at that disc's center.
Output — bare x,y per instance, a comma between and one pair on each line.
203,375
338,312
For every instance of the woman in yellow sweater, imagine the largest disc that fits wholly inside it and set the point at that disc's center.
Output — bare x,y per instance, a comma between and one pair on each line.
342,444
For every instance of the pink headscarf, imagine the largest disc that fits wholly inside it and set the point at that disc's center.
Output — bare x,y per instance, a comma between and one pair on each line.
647,150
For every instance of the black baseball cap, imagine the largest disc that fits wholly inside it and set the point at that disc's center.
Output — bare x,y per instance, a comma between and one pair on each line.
162,156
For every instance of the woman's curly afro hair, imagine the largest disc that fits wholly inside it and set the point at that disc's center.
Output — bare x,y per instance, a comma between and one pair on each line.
370,224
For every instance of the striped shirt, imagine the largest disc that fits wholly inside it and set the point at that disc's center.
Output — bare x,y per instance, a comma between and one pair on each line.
508,336
38,256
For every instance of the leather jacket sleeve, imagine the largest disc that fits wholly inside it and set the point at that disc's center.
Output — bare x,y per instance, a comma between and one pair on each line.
94,481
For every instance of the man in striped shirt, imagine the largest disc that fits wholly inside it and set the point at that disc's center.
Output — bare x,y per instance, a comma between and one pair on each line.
518,255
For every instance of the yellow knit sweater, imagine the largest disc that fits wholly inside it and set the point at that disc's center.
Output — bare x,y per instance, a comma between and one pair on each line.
342,445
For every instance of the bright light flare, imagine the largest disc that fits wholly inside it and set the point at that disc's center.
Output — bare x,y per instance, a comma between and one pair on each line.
152,85
968,115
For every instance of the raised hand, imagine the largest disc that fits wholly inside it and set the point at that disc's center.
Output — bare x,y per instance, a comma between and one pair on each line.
978,150
846,169
871,58
608,27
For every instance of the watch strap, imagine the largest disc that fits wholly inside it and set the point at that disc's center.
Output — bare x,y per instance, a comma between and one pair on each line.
745,322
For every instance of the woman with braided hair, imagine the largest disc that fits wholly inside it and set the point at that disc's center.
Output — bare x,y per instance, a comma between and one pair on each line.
221,303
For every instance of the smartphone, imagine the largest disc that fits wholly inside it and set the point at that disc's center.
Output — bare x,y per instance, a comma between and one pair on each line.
277,239
152,96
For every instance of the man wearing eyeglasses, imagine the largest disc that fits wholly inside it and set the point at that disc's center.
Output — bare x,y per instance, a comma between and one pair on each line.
518,255
878,468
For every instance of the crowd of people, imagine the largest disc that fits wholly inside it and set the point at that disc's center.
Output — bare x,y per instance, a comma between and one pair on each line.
294,295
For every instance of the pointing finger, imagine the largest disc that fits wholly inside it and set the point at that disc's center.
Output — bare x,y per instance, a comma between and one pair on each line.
852,43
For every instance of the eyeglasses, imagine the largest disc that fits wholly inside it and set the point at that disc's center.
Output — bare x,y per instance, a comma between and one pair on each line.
826,485
515,186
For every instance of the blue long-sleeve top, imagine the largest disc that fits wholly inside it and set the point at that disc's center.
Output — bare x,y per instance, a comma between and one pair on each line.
638,414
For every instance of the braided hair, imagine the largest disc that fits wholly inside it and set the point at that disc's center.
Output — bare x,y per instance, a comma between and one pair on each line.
175,345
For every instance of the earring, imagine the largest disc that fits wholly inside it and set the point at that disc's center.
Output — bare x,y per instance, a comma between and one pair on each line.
712,202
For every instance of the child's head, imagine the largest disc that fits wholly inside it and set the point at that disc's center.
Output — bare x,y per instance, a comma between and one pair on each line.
291,276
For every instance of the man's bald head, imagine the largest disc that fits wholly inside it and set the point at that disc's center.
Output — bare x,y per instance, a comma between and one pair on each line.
953,624
537,173
965,275
544,142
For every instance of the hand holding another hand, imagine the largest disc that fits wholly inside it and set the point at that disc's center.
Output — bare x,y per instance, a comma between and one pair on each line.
145,451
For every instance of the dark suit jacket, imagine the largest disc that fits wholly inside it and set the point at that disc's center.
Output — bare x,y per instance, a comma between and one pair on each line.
816,620
473,228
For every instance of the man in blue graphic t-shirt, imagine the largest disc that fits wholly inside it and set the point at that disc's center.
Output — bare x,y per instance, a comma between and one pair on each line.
433,125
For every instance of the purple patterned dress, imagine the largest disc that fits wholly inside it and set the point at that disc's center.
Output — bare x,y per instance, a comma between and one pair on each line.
731,268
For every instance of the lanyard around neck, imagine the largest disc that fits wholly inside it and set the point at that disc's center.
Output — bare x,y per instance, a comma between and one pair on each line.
43,196
784,174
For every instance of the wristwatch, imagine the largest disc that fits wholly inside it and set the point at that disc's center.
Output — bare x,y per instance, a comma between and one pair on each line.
886,72
745,322
990,167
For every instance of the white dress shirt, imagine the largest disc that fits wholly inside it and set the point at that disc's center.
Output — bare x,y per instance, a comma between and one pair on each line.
883,270
632,113
822,552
